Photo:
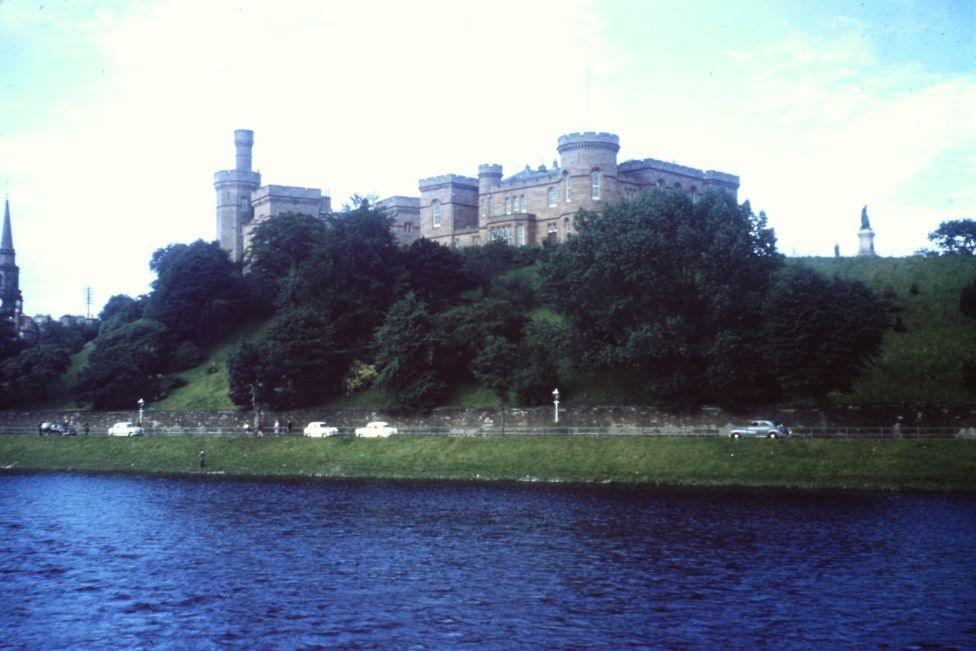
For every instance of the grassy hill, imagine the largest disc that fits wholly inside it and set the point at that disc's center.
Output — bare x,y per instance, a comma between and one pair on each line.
923,364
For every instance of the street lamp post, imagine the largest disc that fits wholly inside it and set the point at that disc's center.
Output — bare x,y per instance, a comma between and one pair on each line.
555,402
142,403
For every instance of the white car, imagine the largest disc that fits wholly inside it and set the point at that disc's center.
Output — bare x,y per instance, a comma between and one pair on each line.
318,429
125,429
376,429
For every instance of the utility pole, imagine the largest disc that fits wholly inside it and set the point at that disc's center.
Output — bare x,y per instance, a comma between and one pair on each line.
88,302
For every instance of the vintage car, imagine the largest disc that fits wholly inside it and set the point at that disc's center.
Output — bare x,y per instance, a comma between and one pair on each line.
56,429
125,429
771,429
376,429
318,429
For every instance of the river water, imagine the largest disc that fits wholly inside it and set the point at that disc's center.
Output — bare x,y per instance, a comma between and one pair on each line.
107,561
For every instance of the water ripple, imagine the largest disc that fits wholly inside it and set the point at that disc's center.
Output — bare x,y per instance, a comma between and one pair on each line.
108,562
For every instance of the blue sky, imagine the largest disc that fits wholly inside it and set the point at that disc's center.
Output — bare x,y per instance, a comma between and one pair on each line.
114,115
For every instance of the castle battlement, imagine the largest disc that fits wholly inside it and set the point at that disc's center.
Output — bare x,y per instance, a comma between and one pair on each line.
400,201
489,169
444,179
285,192
237,176
588,140
721,177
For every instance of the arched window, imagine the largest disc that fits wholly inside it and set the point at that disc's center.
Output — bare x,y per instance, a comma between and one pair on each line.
435,207
595,184
566,184
552,197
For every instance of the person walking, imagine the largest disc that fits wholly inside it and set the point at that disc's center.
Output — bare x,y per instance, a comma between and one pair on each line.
203,459
277,427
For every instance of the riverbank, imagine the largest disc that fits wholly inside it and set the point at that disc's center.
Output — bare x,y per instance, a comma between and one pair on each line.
899,464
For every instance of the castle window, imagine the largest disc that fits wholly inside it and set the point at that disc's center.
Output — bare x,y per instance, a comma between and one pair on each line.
508,205
244,203
435,207
552,197
520,235
677,186
566,185
595,184
501,234
476,240
660,183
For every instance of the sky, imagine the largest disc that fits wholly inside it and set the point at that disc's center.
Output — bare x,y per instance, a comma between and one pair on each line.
115,115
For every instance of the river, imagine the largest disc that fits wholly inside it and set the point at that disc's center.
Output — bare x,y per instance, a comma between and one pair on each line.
110,561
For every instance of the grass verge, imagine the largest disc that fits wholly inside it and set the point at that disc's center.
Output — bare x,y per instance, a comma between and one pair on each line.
898,464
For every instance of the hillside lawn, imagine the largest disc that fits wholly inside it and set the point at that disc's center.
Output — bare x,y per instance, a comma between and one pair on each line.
889,464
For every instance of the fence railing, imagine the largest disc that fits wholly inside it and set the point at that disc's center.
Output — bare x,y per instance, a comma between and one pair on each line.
588,431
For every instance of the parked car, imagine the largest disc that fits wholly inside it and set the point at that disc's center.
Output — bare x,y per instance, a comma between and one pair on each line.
760,428
376,429
125,429
57,429
318,429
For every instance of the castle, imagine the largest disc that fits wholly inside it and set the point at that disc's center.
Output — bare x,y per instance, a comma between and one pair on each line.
531,207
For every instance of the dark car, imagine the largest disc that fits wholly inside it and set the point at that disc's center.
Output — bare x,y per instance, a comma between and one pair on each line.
61,429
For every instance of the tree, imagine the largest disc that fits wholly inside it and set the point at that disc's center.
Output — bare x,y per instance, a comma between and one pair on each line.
822,333
649,285
351,279
197,292
250,378
120,310
434,273
125,365
956,237
296,364
281,245
407,356
495,366
29,376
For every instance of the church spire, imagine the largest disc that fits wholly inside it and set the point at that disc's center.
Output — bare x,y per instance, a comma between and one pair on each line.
7,242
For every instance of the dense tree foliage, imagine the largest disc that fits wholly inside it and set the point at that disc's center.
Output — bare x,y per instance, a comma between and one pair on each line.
119,310
407,356
126,364
197,292
434,273
28,376
281,245
956,237
659,290
822,333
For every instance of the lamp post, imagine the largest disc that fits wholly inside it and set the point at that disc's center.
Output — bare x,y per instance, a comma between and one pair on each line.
142,403
555,402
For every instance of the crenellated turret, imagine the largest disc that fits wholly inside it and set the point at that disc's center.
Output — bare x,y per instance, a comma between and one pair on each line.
234,188
489,176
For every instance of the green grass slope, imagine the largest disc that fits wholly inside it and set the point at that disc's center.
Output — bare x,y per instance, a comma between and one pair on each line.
923,364
208,390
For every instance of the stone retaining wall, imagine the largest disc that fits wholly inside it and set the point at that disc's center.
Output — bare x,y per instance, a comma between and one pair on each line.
575,419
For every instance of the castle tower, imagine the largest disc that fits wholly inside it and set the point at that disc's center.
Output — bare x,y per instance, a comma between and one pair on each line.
865,235
589,164
234,188
11,300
